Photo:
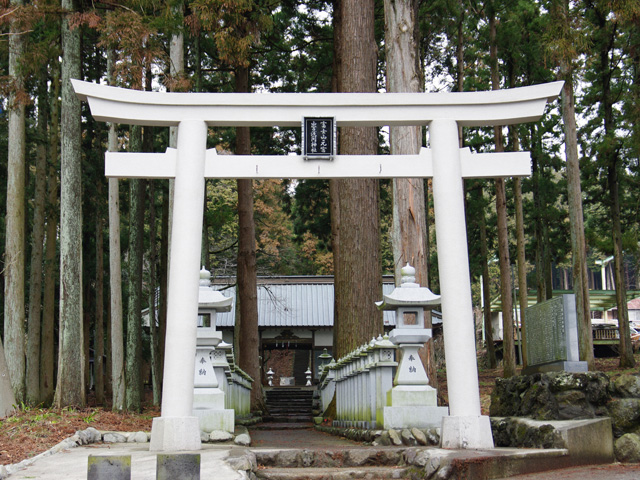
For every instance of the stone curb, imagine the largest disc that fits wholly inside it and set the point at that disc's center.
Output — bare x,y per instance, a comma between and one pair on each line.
91,435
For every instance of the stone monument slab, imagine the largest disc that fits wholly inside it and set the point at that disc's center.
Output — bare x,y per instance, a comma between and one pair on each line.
552,336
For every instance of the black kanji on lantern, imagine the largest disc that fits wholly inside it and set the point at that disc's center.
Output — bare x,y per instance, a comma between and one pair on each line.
319,137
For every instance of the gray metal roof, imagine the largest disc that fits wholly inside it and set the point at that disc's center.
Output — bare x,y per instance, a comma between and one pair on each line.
289,304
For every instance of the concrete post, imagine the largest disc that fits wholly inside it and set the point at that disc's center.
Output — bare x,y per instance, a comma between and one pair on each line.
466,427
177,429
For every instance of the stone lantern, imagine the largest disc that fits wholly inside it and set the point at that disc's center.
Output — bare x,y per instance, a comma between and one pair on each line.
208,398
412,403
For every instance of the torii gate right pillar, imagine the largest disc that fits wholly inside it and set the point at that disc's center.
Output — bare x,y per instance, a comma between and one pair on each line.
466,427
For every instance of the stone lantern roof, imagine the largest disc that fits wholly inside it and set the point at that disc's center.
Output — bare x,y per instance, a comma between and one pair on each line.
208,298
409,293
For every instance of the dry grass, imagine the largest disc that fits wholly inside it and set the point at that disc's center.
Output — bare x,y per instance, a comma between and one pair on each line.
31,431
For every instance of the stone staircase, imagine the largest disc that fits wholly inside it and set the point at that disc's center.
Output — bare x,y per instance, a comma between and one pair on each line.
367,463
289,404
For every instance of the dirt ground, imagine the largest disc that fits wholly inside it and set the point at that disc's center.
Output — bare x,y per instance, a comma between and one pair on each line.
33,430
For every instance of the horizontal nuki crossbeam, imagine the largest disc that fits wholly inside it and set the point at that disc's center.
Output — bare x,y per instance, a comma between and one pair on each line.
163,165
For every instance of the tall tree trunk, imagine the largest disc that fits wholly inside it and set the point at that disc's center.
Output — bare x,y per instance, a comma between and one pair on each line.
37,246
70,386
409,233
611,159
509,360
523,297
115,284
249,340
115,272
133,351
486,289
14,260
7,399
536,175
358,280
98,359
164,269
156,373
47,351
576,217
108,387
334,194
86,332
176,69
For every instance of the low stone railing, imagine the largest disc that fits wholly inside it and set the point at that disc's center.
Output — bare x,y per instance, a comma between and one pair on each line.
234,382
360,382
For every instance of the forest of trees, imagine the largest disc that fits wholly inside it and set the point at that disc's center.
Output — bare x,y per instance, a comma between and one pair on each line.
83,255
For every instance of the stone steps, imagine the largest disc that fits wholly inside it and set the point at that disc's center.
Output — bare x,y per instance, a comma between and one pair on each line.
370,473
293,419
289,405
330,464
343,457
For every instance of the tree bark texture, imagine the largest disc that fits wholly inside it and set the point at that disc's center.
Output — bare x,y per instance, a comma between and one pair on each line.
115,271
70,385
539,232
523,297
34,321
409,232
47,354
509,361
14,259
249,340
358,280
576,217
164,279
156,373
98,364
115,286
334,195
486,288
133,350
610,156
503,233
7,398
176,69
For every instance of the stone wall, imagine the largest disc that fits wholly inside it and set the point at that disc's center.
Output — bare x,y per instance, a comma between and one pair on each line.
568,396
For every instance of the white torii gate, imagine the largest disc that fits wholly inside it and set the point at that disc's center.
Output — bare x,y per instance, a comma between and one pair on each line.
176,429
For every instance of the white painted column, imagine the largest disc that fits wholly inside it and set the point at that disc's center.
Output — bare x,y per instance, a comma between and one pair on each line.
176,429
465,428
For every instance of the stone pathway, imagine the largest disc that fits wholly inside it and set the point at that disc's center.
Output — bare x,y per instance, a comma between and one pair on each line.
595,472
72,464
294,435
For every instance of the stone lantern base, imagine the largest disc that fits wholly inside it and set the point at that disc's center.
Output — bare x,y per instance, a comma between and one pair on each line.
208,406
413,406
214,420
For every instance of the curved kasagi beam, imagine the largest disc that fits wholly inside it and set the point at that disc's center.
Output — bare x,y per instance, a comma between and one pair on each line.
497,107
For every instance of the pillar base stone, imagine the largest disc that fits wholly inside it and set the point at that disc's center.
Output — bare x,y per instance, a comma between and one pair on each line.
467,432
422,416
175,434
211,419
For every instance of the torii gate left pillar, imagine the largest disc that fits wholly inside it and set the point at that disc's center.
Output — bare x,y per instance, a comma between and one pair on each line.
177,429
